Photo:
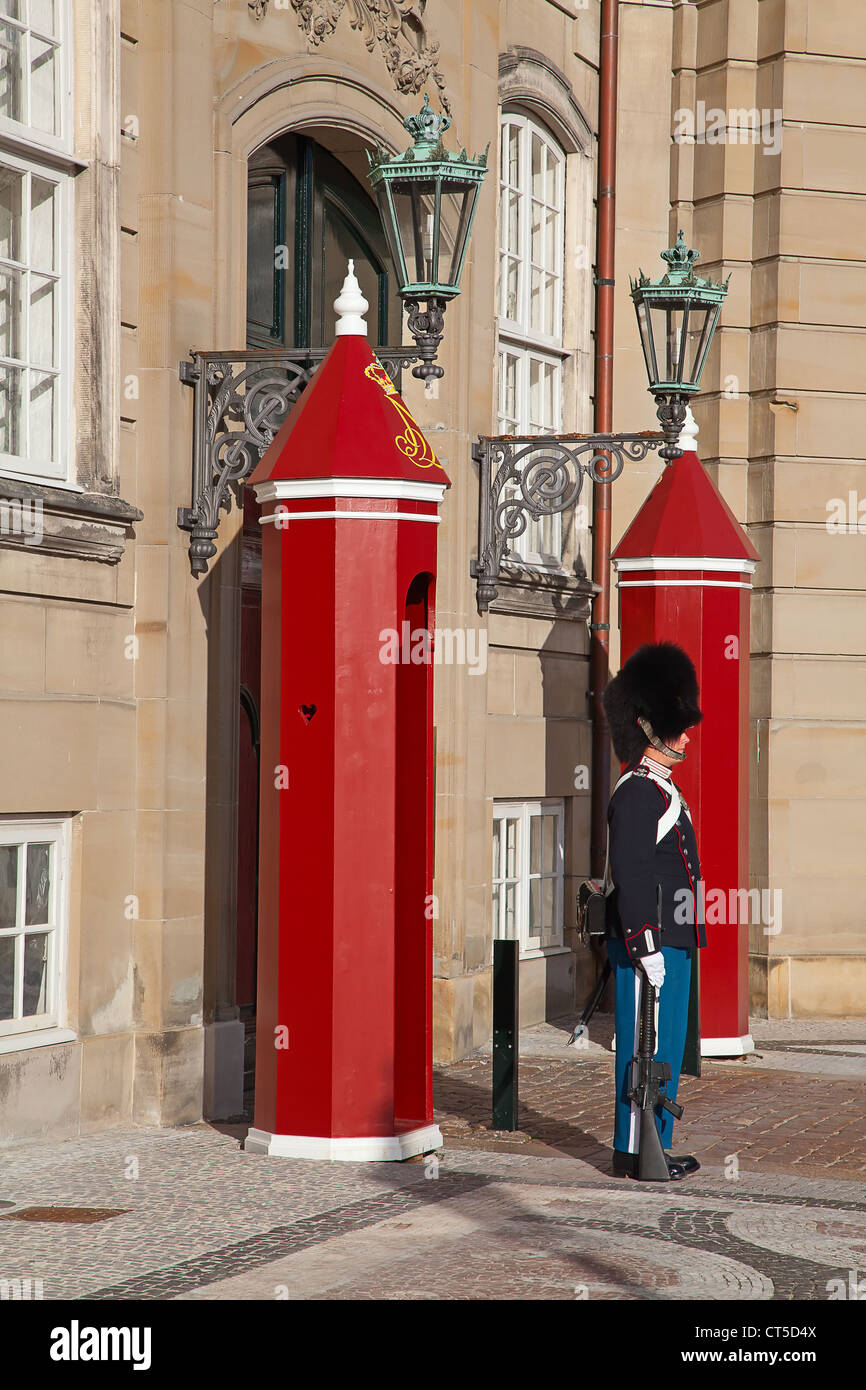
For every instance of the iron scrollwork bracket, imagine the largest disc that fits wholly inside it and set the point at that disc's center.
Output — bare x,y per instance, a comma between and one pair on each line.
241,399
530,477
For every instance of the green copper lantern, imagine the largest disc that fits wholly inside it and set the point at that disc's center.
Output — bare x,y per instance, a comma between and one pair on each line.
427,198
677,316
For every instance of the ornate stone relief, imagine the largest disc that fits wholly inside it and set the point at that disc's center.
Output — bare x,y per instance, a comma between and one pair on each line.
396,26
258,8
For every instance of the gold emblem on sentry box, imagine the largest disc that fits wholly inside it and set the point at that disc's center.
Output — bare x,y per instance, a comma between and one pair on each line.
412,443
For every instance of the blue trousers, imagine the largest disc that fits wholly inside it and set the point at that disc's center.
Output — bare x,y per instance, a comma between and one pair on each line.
673,1011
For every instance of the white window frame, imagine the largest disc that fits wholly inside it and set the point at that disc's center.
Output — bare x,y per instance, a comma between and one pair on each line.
523,812
50,1026
56,471
18,131
517,339
519,327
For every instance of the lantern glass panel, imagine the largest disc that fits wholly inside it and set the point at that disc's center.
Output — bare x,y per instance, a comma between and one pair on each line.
459,207
702,321
666,319
415,217
646,341
389,212
427,224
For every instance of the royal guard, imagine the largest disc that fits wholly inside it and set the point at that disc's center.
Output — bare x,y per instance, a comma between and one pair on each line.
653,922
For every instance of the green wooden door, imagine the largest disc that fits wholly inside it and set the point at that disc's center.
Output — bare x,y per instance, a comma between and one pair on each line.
307,215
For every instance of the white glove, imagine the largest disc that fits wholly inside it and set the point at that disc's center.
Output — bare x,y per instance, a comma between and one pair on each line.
654,968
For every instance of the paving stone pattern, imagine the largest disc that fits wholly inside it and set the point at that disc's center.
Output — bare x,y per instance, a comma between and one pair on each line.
536,1215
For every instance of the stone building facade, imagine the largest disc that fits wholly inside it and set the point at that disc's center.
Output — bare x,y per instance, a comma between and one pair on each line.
149,151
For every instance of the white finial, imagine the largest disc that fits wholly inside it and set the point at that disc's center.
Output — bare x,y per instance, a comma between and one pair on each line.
351,306
689,433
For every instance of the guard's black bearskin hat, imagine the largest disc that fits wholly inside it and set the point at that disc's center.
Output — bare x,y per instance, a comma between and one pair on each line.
658,683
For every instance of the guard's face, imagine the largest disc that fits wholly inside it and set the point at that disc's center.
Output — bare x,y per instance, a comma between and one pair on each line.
679,744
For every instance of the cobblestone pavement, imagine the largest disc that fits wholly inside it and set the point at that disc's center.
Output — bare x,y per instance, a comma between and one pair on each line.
535,1215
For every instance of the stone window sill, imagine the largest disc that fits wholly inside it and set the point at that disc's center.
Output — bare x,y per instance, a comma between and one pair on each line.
80,525
39,1037
536,592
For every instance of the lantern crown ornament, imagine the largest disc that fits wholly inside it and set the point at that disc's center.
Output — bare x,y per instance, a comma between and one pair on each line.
427,127
677,316
427,197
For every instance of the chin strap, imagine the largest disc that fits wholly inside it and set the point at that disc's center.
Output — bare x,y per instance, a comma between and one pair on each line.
657,743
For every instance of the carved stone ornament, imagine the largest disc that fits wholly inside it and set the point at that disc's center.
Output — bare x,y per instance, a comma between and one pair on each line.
397,26
258,8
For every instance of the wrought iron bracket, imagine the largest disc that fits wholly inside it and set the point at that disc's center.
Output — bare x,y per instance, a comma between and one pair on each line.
240,401
532,476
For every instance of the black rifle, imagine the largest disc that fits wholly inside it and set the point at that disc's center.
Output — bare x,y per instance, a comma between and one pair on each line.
646,1090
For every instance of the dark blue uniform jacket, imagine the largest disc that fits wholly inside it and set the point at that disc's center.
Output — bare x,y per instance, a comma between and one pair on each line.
648,908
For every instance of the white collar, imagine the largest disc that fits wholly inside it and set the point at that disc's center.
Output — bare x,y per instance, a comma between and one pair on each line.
657,769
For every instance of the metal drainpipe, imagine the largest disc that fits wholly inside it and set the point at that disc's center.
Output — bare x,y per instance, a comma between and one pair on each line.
599,667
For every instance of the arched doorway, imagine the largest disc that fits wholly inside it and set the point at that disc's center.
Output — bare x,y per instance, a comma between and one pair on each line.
307,214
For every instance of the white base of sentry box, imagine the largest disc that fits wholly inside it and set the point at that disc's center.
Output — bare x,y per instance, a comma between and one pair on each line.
363,1149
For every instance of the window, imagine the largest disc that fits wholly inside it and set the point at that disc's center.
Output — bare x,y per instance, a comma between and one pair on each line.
528,873
531,233
35,211
32,925
33,320
34,88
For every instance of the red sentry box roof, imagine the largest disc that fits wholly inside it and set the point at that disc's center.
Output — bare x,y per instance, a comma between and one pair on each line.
350,422
685,515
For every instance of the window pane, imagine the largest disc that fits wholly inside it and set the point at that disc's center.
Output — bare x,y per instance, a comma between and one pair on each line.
10,313
548,863
511,288
12,8
496,909
42,346
535,918
43,85
42,416
536,301
512,223
496,838
7,977
513,155
548,900
8,885
507,393
537,243
35,973
42,219
11,187
11,87
542,416
43,16
511,848
549,305
550,179
535,844
38,885
551,229
510,926
538,166
10,410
